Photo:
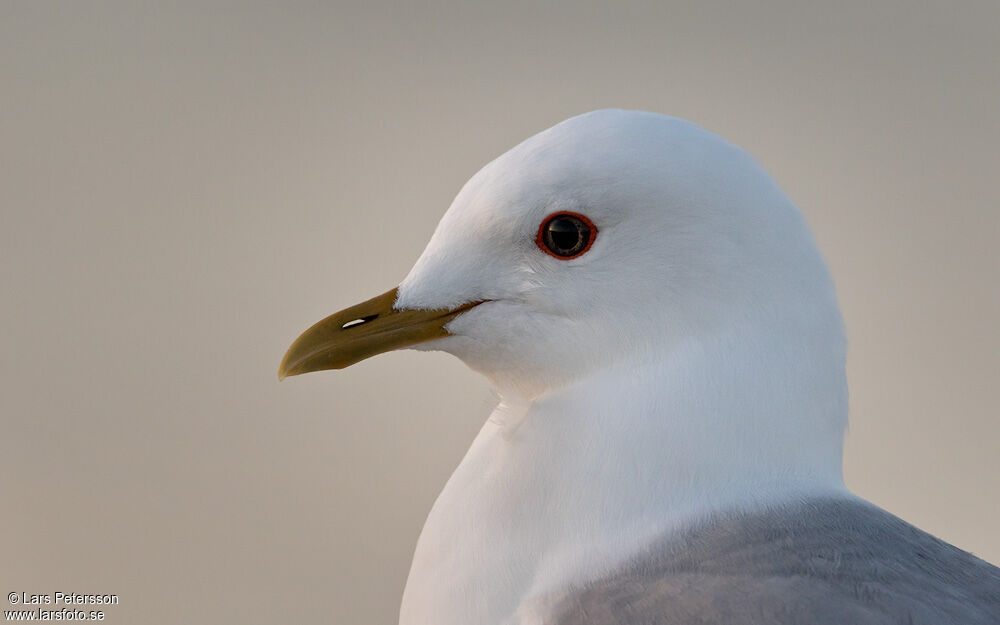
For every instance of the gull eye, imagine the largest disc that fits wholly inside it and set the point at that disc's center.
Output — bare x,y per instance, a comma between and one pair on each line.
566,235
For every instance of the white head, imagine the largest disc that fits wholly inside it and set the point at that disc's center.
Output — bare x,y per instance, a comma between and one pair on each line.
699,277
693,240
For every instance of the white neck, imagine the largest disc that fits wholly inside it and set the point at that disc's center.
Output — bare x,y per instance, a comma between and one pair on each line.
583,477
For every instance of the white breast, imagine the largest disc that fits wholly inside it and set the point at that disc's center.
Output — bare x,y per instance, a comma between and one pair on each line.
595,471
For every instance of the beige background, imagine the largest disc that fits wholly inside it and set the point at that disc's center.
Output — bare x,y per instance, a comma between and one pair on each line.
184,188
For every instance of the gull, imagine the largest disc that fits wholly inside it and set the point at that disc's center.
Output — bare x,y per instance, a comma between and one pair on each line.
669,354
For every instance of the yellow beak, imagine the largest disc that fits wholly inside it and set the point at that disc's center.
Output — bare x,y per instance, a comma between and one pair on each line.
362,331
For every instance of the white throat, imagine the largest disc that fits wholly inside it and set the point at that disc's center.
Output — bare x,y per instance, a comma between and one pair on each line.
579,479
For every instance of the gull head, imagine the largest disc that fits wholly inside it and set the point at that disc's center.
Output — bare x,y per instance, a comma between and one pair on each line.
613,239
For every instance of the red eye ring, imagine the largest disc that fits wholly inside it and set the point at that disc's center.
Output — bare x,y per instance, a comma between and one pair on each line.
553,233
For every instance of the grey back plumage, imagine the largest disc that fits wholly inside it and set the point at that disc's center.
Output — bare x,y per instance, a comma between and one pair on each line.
826,561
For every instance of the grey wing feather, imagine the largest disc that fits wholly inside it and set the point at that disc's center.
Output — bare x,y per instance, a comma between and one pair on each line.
829,561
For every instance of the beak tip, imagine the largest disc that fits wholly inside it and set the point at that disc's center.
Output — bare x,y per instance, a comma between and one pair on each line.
283,369
286,371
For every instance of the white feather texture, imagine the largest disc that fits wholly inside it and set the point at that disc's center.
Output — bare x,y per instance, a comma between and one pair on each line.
691,361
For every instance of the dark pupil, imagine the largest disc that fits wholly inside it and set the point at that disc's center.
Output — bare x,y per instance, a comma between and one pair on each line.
566,236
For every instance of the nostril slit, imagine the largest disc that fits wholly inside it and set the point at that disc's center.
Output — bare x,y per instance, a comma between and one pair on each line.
357,322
